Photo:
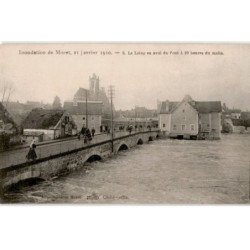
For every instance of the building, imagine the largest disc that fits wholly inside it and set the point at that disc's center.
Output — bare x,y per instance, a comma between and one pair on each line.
77,109
96,93
121,123
191,119
48,124
137,112
98,106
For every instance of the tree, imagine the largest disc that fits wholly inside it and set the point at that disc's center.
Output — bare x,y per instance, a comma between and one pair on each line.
57,103
6,90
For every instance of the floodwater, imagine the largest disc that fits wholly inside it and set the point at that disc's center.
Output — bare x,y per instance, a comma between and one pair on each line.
160,172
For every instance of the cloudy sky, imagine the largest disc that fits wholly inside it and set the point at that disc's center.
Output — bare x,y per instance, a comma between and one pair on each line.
139,79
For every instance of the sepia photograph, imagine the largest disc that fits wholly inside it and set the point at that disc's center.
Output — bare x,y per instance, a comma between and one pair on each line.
124,123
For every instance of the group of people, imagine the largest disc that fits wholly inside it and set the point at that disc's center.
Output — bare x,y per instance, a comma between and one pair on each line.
86,134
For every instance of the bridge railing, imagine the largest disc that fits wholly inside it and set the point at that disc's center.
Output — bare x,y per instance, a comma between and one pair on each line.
16,157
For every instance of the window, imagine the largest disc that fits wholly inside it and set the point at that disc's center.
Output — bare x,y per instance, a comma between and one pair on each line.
174,127
164,125
83,118
192,127
183,127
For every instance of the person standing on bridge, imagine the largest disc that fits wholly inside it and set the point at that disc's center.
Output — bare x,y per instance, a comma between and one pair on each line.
88,135
32,152
93,132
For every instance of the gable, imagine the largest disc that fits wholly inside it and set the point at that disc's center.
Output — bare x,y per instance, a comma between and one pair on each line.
171,106
186,107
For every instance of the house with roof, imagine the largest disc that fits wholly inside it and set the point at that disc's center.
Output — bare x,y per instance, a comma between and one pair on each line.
88,114
191,119
48,124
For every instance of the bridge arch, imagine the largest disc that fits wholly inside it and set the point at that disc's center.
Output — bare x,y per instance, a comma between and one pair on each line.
25,182
23,179
93,156
140,141
122,146
150,138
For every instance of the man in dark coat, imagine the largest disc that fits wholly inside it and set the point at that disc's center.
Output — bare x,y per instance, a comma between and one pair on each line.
83,130
88,134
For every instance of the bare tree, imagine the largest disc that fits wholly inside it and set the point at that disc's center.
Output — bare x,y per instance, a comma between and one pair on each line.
6,90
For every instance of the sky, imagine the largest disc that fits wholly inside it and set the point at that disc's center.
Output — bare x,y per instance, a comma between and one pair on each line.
140,78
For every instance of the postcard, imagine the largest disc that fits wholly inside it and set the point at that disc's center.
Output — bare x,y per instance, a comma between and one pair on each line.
125,123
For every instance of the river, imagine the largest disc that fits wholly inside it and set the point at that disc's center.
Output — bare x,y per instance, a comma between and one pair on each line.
160,172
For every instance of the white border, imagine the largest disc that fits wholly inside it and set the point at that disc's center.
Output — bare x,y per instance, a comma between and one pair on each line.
124,227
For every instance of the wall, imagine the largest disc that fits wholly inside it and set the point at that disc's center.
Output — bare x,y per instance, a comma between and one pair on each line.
94,121
205,122
210,123
48,134
165,119
30,138
216,125
188,117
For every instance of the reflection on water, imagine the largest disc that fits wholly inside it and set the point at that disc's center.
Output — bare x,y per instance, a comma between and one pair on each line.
163,171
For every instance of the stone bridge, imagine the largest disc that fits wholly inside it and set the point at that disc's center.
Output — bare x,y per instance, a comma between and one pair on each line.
63,162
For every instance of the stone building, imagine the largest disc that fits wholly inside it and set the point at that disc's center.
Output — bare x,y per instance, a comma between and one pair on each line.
77,109
96,96
191,119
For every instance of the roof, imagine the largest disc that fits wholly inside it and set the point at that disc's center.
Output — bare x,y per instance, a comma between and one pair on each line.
42,118
208,107
172,105
201,107
79,108
81,93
